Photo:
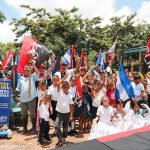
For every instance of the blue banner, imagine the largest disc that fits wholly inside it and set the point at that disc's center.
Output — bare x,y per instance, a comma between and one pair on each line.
5,99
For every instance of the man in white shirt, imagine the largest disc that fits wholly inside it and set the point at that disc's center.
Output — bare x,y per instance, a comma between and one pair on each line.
28,102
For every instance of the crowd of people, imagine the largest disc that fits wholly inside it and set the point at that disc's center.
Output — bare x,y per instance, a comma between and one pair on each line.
98,112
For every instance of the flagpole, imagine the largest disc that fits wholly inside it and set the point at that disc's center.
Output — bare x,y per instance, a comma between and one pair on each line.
29,88
13,70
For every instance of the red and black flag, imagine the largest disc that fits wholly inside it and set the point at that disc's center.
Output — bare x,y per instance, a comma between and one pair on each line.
138,139
7,62
146,63
31,47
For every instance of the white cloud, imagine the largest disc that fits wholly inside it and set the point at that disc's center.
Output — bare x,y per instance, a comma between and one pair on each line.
87,8
144,12
125,10
6,34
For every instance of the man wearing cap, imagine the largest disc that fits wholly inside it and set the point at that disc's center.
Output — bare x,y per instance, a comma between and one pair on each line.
70,72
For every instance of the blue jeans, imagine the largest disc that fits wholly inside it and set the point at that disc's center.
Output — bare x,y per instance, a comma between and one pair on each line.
62,119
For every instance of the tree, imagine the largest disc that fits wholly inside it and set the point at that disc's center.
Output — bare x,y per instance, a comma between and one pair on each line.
2,17
60,31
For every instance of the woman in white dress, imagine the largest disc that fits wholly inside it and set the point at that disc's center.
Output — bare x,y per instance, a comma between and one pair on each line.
102,124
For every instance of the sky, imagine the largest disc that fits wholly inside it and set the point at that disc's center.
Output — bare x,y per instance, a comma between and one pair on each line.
87,8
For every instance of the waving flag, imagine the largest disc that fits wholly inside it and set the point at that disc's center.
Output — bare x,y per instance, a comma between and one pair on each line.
110,53
79,92
66,58
124,89
146,64
8,60
31,47
100,60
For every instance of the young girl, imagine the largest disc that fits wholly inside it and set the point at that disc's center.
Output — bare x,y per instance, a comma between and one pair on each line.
85,116
118,119
102,125
43,108
40,91
135,116
96,100
111,93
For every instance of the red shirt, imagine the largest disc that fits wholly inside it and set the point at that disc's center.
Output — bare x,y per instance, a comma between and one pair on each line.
111,94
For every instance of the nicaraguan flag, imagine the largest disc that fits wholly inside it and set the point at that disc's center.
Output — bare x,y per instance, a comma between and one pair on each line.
66,58
124,89
100,61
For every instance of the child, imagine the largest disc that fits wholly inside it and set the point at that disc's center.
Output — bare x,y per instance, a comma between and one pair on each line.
85,116
52,91
64,110
96,100
44,118
111,93
40,91
102,125
119,113
72,91
136,115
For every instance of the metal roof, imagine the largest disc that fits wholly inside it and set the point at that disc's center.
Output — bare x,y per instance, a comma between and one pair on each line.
133,50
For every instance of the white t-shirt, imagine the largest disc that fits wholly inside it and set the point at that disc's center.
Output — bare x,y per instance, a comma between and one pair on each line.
96,101
44,111
105,113
103,91
72,91
63,102
40,93
70,74
52,91
138,88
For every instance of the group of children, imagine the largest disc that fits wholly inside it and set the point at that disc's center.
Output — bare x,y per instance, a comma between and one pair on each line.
99,112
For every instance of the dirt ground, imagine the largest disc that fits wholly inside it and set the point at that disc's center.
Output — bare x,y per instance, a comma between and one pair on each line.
29,142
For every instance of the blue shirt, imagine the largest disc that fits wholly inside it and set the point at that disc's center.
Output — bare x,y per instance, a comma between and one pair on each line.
23,85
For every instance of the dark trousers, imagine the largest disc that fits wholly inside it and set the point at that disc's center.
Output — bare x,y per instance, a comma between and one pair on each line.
53,116
62,119
44,129
94,111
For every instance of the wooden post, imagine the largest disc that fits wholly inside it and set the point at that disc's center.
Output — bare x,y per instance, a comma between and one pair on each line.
29,87
13,70
140,67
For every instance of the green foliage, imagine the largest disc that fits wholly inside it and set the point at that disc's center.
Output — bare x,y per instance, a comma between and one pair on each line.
93,56
65,28
2,17
4,48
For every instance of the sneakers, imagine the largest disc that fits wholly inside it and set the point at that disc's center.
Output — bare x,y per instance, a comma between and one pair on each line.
40,141
74,131
48,139
59,144
64,141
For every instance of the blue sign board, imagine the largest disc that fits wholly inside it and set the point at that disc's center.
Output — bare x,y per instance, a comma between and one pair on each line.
5,99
